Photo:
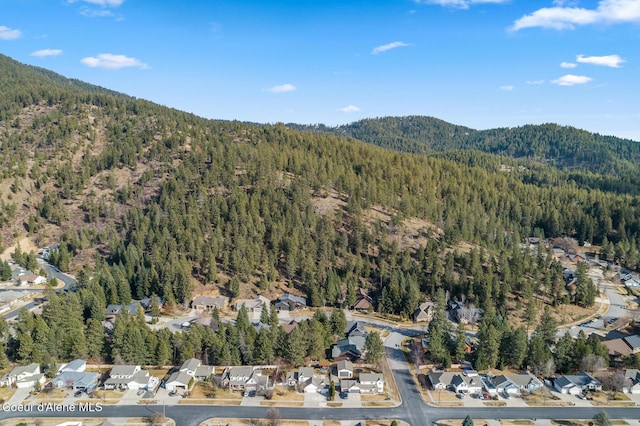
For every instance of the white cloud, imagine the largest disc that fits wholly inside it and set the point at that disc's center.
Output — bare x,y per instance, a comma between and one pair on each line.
349,108
459,4
571,80
612,61
113,62
103,3
508,88
568,65
389,46
567,17
7,33
535,82
46,52
94,13
283,88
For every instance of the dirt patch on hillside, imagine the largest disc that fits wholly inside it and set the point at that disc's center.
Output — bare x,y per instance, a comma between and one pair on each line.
26,244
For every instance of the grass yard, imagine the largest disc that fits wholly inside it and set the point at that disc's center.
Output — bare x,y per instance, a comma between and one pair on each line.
287,395
6,393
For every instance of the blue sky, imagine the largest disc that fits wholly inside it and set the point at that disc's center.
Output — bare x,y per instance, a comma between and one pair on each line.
478,63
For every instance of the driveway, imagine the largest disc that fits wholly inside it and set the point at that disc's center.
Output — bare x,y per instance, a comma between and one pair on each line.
314,400
19,396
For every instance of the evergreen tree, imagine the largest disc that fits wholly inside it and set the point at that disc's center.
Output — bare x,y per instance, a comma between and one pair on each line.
467,421
374,347
338,322
602,419
461,343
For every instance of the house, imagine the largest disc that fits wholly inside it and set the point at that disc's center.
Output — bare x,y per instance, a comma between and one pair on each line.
465,315
356,328
459,382
178,381
618,348
27,376
371,383
10,297
631,381
304,374
204,372
127,377
348,348
514,384
364,303
350,386
189,366
253,306
291,379
633,342
112,311
31,279
288,327
576,384
257,382
207,303
237,377
344,369
424,312
289,302
77,366
318,383
72,375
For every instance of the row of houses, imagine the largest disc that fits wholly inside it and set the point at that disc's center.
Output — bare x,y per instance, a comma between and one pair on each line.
469,382
342,373
71,375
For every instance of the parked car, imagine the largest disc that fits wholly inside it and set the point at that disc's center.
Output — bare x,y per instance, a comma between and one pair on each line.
78,393
173,393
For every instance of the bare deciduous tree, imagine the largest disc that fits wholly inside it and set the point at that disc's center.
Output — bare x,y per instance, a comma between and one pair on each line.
274,418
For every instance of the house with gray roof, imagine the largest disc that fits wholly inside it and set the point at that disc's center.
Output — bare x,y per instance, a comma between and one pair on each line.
189,366
25,376
127,377
289,302
631,381
577,384
178,381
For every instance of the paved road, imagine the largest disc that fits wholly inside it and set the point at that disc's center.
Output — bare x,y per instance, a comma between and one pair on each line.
617,309
187,415
51,270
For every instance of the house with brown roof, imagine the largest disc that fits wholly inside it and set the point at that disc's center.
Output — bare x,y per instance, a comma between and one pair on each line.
364,303
207,303
288,327
424,312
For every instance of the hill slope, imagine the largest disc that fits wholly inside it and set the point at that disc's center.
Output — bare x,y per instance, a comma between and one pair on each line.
151,200
562,147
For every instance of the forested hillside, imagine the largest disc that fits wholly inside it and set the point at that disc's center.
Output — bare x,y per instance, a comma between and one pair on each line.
147,200
588,159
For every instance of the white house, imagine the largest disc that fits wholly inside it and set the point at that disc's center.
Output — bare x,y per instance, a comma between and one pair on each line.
574,385
631,381
178,381
371,383
27,376
344,369
127,377
190,366
317,384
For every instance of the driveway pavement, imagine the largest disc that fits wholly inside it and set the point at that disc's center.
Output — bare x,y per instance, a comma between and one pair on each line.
18,396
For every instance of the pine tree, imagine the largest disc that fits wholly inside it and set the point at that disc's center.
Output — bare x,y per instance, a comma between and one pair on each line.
468,421
374,347
338,322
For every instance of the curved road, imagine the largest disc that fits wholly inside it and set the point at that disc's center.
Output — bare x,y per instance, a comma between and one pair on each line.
51,270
